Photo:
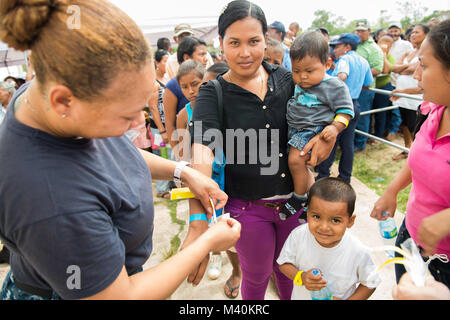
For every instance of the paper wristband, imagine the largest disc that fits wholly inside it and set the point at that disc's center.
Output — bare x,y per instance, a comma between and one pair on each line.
342,120
197,217
298,279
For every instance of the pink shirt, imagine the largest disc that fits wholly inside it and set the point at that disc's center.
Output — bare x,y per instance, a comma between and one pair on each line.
429,160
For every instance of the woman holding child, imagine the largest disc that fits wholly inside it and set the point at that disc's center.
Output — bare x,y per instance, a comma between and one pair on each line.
255,96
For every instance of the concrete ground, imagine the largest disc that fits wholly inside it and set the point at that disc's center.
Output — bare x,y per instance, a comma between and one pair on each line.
365,228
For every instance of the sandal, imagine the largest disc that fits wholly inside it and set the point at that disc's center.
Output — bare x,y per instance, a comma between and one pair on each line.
164,195
402,155
232,290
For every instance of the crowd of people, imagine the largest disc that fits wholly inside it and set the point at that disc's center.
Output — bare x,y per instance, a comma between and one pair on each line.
88,183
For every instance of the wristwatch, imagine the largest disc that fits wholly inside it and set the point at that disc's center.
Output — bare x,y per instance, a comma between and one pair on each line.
177,173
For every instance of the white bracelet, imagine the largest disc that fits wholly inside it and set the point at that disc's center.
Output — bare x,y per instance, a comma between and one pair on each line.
177,173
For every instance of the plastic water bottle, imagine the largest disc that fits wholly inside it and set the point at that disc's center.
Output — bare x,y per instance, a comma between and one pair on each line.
163,150
322,294
388,231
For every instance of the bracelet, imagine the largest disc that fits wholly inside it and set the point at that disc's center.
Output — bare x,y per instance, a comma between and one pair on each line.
198,217
342,120
298,279
177,173
164,131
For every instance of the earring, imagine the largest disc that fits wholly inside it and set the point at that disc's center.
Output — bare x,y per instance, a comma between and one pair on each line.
64,116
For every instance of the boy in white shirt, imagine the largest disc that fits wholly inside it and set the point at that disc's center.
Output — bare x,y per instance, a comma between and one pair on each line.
324,244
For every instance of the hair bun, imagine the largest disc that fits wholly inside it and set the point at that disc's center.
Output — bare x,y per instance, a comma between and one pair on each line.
22,20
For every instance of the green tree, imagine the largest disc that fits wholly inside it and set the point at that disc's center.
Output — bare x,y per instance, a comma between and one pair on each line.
326,19
412,12
383,20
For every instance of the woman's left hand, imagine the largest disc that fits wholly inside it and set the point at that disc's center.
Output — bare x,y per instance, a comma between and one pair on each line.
204,188
321,149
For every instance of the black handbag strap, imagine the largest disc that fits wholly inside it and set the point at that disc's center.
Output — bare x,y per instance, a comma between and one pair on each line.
219,93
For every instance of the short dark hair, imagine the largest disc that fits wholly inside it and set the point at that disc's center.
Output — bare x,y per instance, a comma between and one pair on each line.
218,68
188,46
239,10
311,43
159,54
163,44
334,190
190,66
439,39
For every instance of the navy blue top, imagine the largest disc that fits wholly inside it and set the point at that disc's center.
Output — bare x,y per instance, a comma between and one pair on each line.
175,88
72,202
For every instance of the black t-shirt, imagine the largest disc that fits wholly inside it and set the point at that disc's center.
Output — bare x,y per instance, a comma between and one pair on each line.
255,138
72,204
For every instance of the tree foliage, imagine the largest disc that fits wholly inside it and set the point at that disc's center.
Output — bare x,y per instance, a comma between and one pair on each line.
412,12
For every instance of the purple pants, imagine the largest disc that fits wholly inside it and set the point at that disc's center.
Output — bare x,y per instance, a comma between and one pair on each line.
262,237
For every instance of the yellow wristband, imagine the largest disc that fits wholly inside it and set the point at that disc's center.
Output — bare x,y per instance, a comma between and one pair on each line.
298,279
342,120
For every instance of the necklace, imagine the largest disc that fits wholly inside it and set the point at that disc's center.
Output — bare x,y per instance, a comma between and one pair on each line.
29,105
261,80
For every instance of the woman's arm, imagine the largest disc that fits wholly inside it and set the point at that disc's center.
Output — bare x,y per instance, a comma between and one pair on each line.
153,107
202,159
170,111
387,67
182,119
388,201
162,280
203,187
399,68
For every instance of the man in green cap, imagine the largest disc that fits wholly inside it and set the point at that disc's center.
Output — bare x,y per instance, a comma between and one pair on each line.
369,50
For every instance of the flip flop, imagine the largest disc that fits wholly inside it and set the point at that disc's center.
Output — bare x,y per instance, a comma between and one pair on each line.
231,290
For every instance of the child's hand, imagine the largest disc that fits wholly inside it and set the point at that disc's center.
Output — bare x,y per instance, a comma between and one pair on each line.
329,133
313,282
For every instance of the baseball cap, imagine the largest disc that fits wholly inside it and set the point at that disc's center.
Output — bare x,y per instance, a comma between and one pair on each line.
362,25
395,25
182,28
348,38
278,26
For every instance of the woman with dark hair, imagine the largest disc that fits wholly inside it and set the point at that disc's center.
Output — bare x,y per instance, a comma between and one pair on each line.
174,99
407,84
427,219
255,95
161,57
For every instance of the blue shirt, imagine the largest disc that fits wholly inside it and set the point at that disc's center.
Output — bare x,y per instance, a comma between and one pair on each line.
357,70
287,58
218,166
72,202
175,88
